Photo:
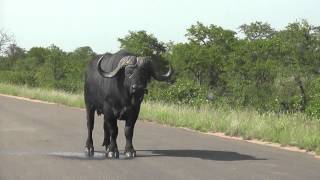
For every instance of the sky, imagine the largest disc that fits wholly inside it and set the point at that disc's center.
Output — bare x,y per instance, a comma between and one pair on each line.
70,24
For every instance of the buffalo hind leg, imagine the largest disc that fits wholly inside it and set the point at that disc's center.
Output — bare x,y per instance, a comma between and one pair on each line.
112,149
89,149
128,131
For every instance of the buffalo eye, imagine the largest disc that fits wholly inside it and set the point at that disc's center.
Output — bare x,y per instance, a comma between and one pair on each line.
129,72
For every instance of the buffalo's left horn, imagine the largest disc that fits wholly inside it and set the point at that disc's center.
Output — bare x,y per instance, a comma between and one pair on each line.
125,61
143,60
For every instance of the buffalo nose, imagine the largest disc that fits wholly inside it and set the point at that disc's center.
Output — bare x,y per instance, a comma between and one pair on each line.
136,86
139,88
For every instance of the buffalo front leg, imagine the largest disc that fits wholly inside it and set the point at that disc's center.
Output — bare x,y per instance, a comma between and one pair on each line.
128,131
106,140
89,149
112,149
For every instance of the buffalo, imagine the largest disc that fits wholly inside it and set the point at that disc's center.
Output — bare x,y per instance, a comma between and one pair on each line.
115,85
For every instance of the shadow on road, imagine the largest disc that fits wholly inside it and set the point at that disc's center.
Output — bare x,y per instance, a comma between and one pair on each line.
201,154
99,155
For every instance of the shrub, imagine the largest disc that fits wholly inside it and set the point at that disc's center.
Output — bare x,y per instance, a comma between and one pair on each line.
181,92
313,107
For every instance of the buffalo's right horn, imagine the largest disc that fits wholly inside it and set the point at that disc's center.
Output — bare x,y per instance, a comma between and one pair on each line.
147,60
163,77
125,61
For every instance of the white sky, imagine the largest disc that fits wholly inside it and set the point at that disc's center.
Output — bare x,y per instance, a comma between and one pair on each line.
98,23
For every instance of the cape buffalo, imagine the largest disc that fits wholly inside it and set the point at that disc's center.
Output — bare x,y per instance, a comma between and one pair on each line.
114,86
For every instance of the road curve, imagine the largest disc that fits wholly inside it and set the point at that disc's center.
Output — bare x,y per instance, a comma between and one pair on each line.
46,141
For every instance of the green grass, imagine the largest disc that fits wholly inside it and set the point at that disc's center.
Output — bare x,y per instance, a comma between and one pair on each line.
61,97
287,129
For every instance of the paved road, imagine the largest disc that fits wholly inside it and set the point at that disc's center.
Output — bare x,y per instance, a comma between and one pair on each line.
46,141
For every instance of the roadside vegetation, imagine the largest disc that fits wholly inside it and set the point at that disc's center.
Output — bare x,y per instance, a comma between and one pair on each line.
49,95
258,82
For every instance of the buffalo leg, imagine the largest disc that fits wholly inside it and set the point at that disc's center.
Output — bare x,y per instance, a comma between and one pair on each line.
106,141
128,131
89,149
112,149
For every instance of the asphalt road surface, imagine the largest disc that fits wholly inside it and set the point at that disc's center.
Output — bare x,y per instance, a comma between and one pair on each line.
46,141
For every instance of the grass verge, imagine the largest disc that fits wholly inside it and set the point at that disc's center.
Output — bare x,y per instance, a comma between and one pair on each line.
60,97
287,129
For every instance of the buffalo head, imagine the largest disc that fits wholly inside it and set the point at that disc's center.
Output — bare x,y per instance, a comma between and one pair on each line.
137,73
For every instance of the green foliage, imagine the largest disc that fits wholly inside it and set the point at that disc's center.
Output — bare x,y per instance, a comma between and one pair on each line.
142,43
181,92
257,30
47,67
313,108
211,35
203,58
14,77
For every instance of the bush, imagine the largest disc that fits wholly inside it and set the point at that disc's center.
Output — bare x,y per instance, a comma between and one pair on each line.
181,92
313,107
15,77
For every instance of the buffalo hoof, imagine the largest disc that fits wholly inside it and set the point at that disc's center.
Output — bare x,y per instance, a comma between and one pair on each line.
112,154
130,154
89,151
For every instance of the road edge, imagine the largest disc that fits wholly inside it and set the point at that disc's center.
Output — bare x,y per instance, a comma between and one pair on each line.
216,134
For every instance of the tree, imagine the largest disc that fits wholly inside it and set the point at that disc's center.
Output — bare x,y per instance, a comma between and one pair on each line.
52,72
257,30
5,41
14,52
210,35
299,51
39,54
206,53
84,52
251,68
191,60
74,68
143,44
